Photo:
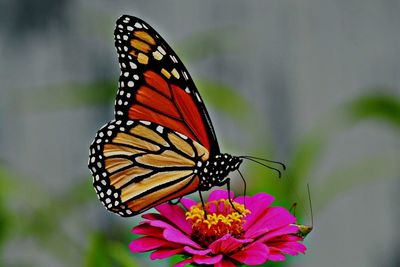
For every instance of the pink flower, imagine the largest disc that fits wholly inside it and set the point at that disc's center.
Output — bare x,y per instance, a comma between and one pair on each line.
252,236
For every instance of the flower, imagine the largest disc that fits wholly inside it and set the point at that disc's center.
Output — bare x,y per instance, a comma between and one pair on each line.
251,233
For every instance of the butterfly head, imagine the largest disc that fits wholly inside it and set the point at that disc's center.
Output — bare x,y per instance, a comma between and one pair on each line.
214,171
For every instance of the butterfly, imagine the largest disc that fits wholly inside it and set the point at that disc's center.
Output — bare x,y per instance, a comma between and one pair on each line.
161,144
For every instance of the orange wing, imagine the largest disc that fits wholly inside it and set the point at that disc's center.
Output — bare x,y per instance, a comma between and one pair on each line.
137,165
155,86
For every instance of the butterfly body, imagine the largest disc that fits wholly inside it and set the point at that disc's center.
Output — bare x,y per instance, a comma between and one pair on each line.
214,171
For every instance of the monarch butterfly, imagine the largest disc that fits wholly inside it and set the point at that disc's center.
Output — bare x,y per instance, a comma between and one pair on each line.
161,144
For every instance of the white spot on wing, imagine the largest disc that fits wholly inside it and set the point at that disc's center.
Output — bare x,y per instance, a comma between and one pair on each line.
133,65
159,129
182,135
173,58
185,75
159,48
198,97
145,122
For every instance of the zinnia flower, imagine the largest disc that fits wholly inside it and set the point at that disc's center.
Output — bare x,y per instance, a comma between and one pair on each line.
250,234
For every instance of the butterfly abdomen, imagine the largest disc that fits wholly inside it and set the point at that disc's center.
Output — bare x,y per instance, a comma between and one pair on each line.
214,171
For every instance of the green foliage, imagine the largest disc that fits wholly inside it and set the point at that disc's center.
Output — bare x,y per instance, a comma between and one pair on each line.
69,96
103,252
381,107
4,212
121,255
97,253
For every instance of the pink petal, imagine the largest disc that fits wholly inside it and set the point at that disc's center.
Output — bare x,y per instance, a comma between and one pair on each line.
255,254
176,236
257,204
225,263
275,255
145,243
284,238
164,253
146,229
242,199
187,203
161,220
183,263
161,224
288,247
227,244
272,218
218,194
288,244
172,234
176,215
293,248
200,259
286,230
196,251
152,216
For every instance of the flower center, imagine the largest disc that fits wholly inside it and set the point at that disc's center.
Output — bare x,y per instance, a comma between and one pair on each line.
221,219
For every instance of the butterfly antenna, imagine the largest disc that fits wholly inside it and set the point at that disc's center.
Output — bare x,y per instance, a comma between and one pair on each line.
263,164
267,160
245,187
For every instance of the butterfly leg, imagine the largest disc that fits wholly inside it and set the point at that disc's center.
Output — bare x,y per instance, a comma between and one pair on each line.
227,182
176,202
204,207
245,187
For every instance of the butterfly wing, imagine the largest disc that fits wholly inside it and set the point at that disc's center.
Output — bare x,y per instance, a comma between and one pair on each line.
155,86
137,165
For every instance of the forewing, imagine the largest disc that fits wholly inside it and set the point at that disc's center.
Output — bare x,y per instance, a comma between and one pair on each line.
155,86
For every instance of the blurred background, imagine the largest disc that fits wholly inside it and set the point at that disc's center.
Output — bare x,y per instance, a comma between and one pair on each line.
314,84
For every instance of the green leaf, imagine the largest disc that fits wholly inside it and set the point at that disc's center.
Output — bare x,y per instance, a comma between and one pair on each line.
383,107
